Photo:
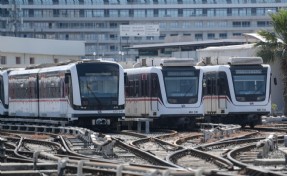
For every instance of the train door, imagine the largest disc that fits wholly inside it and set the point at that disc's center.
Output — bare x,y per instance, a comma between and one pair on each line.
215,93
209,82
222,92
33,96
145,105
63,104
68,89
154,94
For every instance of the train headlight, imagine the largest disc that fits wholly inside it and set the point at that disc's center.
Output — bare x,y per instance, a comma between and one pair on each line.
85,103
192,100
171,100
260,98
240,98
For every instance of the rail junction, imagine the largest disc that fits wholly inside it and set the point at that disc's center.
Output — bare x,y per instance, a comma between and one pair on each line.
213,149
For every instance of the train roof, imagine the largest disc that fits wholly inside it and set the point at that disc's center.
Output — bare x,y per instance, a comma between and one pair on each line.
245,61
55,66
211,68
178,62
143,70
46,65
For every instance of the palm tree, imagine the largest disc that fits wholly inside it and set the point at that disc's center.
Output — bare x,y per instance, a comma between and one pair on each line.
275,45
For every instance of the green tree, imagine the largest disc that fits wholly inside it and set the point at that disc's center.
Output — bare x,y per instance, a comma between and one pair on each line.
275,45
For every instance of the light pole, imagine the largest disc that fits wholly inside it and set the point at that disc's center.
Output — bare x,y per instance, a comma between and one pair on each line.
94,54
122,54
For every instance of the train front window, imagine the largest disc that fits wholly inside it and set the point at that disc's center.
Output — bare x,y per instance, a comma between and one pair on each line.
98,85
249,85
181,85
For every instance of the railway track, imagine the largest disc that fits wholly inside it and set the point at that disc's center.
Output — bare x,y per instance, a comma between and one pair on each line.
133,153
245,156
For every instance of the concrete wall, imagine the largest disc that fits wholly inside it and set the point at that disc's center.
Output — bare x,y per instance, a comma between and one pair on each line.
277,90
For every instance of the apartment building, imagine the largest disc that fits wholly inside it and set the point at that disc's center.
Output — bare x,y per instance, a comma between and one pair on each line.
97,22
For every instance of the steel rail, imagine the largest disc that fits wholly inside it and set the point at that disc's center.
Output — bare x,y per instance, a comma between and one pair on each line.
219,161
250,170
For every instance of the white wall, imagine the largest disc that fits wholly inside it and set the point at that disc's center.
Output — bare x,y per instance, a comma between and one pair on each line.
25,59
277,90
42,50
41,46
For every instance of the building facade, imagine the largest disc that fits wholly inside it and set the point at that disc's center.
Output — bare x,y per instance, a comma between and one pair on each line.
22,52
98,21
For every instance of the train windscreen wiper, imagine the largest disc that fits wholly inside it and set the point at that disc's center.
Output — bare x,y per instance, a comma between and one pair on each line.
94,95
185,94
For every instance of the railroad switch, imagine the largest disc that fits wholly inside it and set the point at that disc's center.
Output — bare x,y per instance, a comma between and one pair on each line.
3,150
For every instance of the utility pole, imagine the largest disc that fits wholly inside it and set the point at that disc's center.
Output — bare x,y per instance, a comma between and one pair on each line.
14,21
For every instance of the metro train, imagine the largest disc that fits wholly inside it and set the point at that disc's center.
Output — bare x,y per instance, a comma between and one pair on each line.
170,95
175,95
238,92
85,92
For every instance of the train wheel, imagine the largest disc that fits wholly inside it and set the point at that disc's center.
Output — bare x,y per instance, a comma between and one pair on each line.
243,125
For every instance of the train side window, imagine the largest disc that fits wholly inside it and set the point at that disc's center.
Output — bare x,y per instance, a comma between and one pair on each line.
221,83
209,86
155,86
214,87
136,88
69,87
127,87
143,91
275,81
131,89
125,78
67,80
1,90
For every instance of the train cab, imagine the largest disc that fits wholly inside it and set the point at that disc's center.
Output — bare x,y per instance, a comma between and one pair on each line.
237,92
170,94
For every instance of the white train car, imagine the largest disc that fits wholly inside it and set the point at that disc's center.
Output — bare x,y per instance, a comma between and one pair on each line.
238,92
4,104
170,95
87,92
23,93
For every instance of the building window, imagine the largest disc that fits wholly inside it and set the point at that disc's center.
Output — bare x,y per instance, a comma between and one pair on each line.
32,60
245,24
162,37
138,38
3,60
18,60
210,35
236,24
55,2
112,48
236,34
56,60
223,35
198,37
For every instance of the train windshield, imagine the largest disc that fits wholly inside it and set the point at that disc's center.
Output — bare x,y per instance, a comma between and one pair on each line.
249,84
181,85
98,85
